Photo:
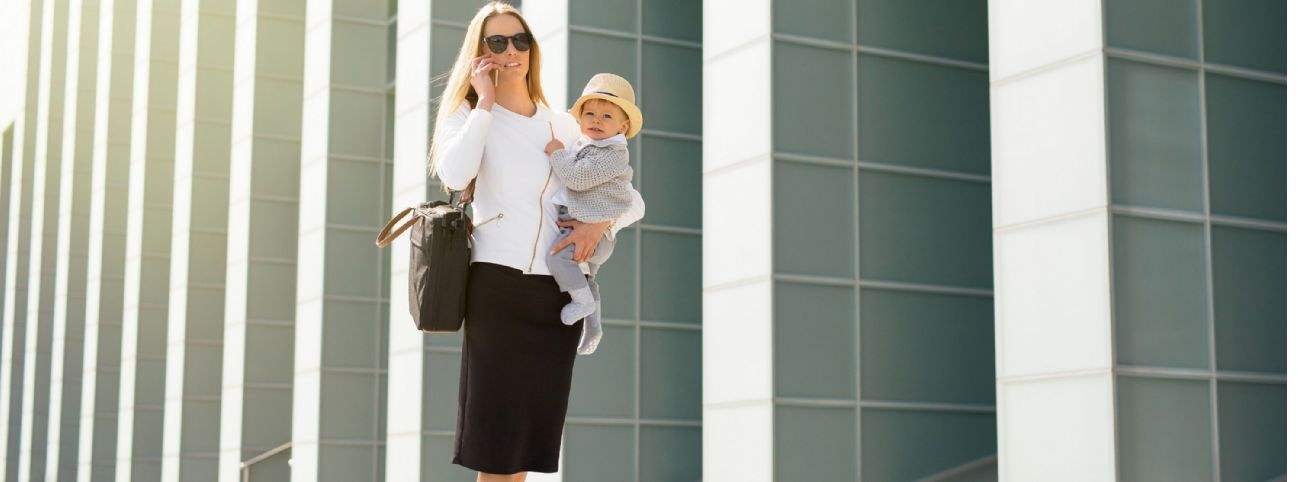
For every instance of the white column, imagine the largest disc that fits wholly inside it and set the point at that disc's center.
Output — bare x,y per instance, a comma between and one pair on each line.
340,333
148,242
1054,341
107,244
68,331
407,440
19,237
261,273
200,203
40,274
738,395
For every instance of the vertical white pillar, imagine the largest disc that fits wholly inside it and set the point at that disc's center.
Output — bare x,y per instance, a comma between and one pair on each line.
107,244
68,330
1054,340
40,274
407,448
340,333
200,203
19,237
738,396
261,273
148,242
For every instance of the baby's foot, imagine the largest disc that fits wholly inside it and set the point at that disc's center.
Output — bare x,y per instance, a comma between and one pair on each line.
588,345
575,311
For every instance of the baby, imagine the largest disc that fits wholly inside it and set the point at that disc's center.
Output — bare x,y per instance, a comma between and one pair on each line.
596,173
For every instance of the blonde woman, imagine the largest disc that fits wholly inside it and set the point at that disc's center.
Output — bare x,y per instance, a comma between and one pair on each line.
493,123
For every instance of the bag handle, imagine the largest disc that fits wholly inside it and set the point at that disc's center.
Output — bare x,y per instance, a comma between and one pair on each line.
387,234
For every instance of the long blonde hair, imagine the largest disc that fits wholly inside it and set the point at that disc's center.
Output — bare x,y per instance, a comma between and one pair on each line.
459,90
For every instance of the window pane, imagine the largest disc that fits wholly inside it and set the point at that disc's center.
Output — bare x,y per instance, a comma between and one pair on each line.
924,115
1163,430
813,212
812,105
347,405
1166,27
441,390
356,123
602,381
589,54
815,443
814,327
671,373
353,187
673,277
678,19
925,230
1160,293
671,453
1252,427
910,445
1246,147
360,55
617,279
945,28
351,264
927,347
598,452
1248,286
672,97
1245,34
620,16
444,46
348,334
826,19
1154,143
670,174
456,11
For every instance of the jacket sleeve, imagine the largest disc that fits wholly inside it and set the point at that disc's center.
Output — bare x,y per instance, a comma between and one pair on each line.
631,215
459,146
586,172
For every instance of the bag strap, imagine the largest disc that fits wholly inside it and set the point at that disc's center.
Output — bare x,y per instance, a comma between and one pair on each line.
387,234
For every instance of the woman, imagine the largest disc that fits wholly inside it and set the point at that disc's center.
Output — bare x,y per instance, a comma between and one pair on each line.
516,365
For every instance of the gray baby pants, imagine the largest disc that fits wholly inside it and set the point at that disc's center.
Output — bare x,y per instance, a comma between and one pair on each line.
567,272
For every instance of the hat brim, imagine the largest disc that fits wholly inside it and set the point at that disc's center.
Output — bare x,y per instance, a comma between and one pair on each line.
632,112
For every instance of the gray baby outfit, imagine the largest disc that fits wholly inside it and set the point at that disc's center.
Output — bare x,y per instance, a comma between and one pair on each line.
597,176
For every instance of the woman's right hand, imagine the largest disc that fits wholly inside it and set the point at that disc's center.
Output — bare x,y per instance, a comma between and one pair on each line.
480,78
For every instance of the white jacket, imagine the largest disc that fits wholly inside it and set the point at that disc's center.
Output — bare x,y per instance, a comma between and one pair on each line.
513,214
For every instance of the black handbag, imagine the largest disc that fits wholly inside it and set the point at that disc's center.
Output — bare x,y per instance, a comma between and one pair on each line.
439,261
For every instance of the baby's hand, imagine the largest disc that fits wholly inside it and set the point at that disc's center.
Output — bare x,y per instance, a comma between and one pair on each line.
552,146
554,143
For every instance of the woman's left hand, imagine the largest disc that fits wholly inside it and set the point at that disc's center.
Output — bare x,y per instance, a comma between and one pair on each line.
584,236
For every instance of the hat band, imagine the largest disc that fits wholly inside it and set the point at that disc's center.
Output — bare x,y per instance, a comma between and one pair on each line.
606,93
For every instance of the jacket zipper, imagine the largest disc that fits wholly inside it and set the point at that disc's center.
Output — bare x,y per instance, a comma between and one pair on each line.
540,204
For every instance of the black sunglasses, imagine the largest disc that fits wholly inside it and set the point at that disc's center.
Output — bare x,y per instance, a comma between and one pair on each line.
498,43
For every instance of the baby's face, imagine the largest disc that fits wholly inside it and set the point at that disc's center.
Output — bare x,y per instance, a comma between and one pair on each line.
601,119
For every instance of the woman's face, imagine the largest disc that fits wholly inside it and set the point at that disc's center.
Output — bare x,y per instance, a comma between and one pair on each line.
513,63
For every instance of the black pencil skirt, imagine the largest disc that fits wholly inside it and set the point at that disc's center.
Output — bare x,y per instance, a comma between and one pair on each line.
515,372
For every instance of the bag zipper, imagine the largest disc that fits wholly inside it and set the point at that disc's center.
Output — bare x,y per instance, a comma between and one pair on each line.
490,219
540,203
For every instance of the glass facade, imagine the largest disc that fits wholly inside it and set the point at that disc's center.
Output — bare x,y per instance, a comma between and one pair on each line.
942,255
882,240
1196,95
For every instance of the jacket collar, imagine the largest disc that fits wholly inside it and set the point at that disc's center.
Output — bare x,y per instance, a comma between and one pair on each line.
614,140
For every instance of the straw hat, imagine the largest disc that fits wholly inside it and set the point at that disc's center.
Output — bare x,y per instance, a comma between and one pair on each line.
615,89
